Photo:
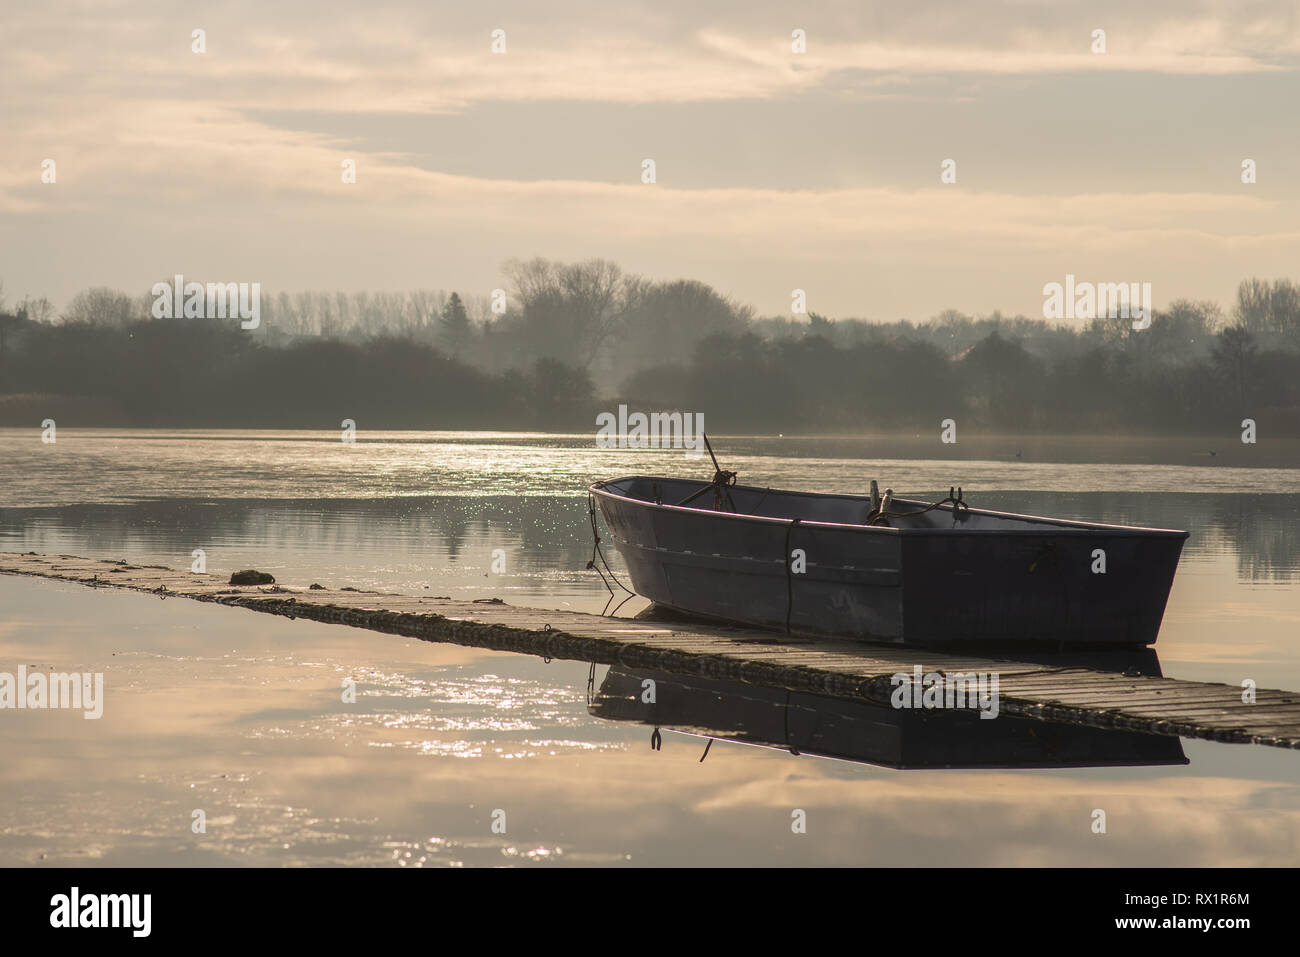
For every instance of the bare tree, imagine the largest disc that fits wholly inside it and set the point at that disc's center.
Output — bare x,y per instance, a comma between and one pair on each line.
569,310
1284,310
100,306
39,310
1252,307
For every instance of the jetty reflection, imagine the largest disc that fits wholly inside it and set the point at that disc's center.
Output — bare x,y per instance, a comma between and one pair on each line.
864,732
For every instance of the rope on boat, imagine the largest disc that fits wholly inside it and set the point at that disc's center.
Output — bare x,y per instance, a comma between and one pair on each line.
598,553
882,512
754,510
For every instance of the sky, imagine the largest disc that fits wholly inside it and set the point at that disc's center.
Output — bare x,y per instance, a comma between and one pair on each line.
775,170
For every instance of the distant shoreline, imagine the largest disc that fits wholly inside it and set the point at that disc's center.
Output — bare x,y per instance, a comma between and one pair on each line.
1224,449
73,411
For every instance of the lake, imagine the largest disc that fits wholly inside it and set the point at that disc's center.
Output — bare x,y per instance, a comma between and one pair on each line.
239,715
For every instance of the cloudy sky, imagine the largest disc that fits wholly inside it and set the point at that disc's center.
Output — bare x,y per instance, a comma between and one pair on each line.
775,170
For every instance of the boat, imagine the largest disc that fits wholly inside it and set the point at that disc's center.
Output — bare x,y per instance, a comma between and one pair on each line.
884,569
864,732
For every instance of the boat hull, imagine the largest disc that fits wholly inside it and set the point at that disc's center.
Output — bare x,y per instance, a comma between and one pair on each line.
1036,580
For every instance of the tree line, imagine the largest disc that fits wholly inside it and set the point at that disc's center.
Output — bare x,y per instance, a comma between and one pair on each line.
570,339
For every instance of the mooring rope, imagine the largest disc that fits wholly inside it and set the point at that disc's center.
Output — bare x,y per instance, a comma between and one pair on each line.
598,553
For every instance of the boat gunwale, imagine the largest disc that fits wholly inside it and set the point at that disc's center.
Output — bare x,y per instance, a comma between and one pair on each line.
1057,526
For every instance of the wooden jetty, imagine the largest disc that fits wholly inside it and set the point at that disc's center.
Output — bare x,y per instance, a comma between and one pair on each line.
1037,691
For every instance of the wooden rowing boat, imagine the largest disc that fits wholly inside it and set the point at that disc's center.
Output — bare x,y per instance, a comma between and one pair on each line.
881,568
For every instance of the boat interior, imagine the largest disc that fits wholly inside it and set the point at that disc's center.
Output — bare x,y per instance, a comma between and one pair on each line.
818,507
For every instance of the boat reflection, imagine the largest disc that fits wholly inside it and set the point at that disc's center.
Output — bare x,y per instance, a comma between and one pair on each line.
864,732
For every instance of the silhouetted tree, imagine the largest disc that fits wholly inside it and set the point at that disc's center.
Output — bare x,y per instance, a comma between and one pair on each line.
556,392
1002,381
663,321
455,330
1233,354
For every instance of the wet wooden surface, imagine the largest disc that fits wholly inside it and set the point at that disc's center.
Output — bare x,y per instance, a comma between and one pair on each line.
1073,695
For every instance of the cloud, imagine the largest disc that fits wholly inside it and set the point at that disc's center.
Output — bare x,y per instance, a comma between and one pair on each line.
404,58
155,153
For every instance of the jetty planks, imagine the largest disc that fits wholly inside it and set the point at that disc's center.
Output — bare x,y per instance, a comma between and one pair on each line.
848,669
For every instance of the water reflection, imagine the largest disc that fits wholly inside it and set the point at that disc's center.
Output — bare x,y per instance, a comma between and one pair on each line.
102,465
240,714
447,541
443,544
867,733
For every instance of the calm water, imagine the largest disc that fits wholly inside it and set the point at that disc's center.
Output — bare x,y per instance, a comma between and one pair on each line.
240,715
